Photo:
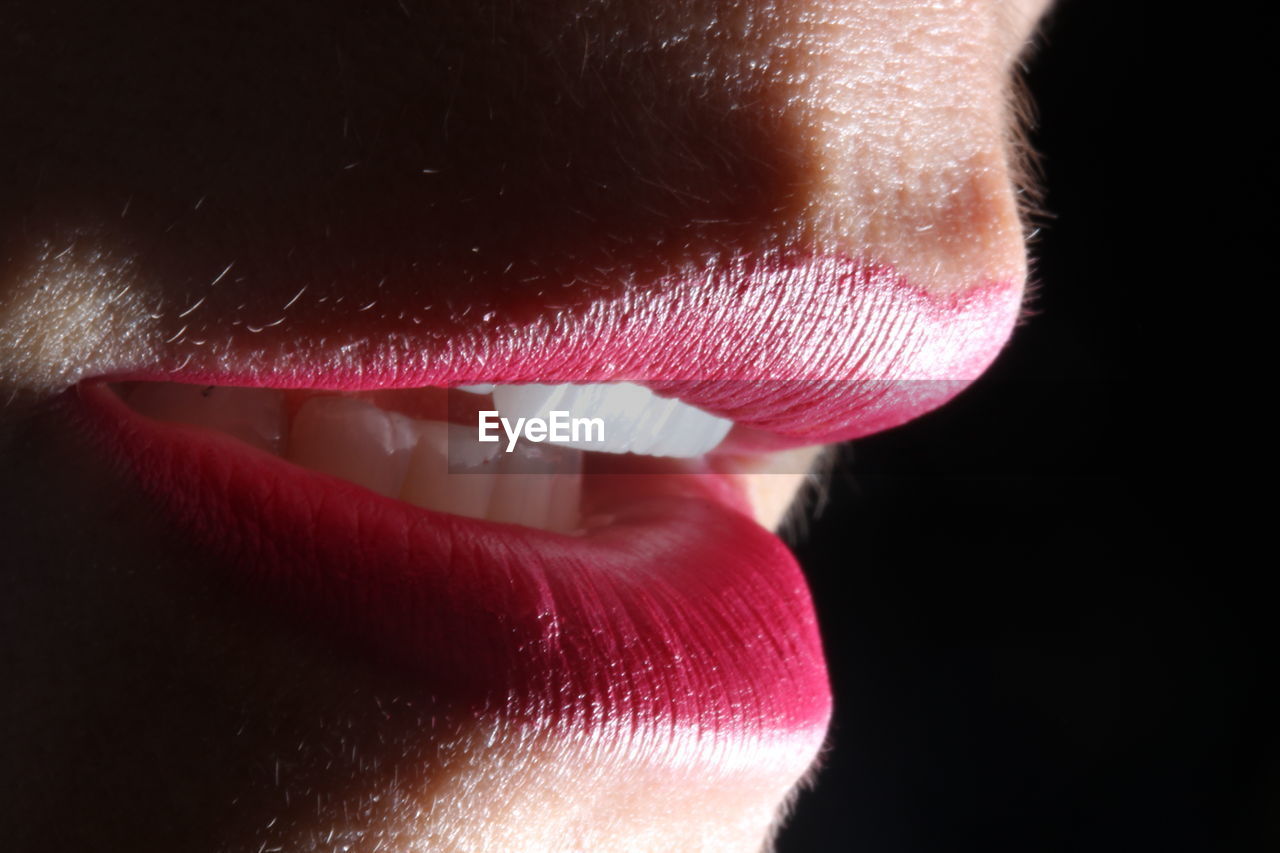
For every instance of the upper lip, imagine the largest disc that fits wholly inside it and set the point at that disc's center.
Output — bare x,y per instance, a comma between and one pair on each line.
869,349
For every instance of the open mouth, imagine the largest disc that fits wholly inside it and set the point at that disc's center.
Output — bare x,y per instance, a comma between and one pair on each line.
625,576
515,454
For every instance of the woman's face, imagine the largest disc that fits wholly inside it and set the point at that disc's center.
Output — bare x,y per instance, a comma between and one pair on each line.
295,626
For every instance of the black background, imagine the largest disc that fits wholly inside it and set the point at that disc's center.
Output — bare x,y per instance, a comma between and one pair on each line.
1024,653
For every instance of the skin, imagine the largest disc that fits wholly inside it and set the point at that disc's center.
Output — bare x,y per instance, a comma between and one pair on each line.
148,708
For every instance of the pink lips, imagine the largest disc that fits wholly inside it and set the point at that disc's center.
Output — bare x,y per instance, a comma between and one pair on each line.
683,610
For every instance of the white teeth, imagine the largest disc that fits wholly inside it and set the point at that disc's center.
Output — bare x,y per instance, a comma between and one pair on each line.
564,506
435,465
522,494
452,472
635,419
431,486
442,466
253,415
525,493
354,440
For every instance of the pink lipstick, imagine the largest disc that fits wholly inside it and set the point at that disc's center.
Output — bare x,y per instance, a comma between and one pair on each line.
660,599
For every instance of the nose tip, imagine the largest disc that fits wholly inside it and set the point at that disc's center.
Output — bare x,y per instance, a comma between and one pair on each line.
875,131
903,114
947,229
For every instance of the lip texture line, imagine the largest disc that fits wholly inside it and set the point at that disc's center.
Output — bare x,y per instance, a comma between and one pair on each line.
872,349
682,612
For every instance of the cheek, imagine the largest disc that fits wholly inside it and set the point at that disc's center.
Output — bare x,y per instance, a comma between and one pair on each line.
68,310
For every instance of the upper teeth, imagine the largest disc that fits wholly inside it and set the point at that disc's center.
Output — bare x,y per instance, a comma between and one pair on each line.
635,419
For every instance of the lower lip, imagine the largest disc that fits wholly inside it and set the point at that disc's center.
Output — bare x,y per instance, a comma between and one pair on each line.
680,611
